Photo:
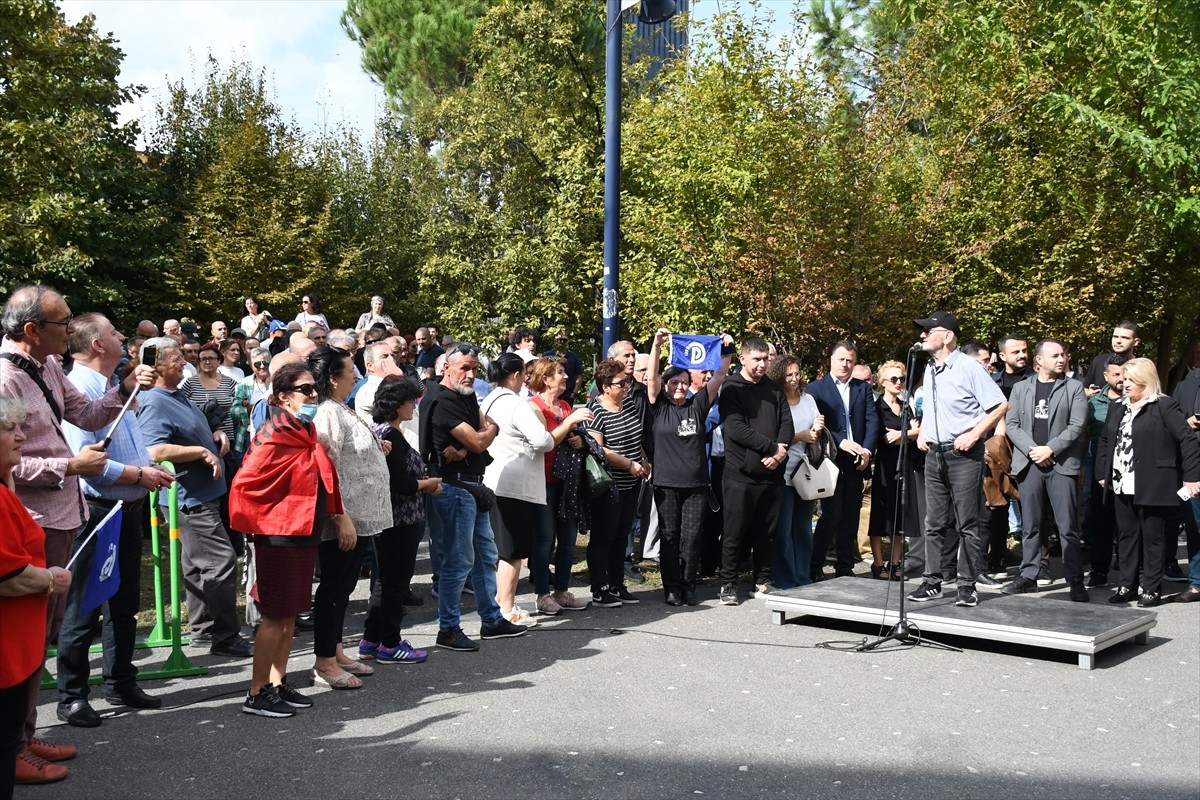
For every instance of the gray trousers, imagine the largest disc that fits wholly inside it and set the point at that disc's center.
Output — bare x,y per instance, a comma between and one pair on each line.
209,567
1040,488
953,502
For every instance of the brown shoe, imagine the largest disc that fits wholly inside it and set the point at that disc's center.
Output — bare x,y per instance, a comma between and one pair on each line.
51,751
1188,595
35,769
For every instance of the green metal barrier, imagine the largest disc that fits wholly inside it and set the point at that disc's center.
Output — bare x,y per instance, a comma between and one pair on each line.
177,664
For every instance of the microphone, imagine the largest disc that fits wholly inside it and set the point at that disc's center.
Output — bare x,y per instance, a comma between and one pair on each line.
917,347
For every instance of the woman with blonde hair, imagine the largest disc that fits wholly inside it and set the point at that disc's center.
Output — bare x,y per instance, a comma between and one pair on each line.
1146,452
885,487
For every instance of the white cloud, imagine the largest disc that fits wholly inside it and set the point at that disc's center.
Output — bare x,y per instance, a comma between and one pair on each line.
311,64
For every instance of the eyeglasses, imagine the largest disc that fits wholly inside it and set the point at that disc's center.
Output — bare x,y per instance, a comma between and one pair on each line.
57,322
306,389
894,379
625,384
208,358
261,364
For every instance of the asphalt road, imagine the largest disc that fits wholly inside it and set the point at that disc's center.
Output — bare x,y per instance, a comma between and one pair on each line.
649,701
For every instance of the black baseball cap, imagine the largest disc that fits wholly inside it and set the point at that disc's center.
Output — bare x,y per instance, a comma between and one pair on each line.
938,319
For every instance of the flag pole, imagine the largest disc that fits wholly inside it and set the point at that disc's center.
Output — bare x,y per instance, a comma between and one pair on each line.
97,527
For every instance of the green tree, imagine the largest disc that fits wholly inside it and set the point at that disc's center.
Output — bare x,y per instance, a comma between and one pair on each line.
75,211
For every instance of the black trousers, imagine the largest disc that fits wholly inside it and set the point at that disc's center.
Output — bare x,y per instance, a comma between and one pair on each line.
120,612
1142,539
14,702
714,522
395,560
839,520
611,522
680,518
339,575
751,511
1102,529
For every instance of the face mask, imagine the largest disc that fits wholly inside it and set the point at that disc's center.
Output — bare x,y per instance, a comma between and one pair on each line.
307,412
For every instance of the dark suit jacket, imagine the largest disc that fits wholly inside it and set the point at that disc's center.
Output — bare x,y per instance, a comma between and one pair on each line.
864,419
1165,452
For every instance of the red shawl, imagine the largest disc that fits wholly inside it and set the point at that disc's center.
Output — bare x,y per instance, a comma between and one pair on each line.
275,491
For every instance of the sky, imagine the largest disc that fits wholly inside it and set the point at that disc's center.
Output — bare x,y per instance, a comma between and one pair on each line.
312,66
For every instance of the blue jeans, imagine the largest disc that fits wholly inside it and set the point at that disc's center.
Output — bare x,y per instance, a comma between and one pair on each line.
552,533
468,547
1191,523
793,541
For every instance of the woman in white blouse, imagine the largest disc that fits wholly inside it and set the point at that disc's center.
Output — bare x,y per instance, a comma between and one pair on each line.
358,455
517,476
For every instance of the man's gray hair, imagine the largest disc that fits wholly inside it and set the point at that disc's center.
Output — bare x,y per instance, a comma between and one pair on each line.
259,352
615,348
343,340
371,353
26,304
161,342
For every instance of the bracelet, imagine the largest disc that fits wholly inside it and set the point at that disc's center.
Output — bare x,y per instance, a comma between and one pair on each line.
50,588
139,478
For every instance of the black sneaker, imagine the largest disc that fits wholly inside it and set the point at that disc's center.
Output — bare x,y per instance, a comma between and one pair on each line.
1079,593
501,630
455,639
966,597
728,596
1020,585
927,591
1097,579
1043,578
267,704
236,647
985,581
293,698
625,597
606,599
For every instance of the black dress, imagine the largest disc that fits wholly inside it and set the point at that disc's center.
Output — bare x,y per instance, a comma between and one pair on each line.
883,489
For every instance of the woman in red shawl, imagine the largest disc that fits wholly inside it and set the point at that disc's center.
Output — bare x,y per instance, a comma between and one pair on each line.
284,491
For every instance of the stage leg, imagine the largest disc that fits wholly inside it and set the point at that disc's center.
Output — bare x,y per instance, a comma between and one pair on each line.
1142,638
1087,660
778,618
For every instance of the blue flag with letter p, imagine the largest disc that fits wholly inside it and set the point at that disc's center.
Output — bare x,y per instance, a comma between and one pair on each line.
105,576
695,352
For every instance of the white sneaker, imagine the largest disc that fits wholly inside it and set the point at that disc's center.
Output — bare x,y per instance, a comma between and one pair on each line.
518,616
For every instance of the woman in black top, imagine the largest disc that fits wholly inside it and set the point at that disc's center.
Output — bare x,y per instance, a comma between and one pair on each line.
396,547
681,480
884,489
617,424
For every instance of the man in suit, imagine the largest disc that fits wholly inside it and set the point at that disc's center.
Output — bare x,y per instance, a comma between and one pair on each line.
1046,421
849,410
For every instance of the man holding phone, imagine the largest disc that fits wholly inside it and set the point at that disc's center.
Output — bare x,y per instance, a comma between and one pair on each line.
127,476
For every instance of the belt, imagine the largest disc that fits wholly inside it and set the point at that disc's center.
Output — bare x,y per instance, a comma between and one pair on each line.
473,477
104,502
941,447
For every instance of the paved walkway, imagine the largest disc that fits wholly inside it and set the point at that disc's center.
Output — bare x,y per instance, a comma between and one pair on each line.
649,701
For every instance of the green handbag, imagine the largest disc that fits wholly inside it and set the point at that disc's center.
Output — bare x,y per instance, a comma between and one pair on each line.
596,479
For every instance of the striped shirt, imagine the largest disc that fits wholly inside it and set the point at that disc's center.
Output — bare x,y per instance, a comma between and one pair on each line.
54,498
222,396
622,432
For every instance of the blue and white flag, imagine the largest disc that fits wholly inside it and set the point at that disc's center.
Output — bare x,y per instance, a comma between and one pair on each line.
105,577
695,352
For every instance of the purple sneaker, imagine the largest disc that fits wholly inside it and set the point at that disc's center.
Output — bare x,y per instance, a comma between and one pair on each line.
403,653
367,650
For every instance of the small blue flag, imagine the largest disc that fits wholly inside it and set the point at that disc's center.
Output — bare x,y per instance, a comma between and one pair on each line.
105,577
695,352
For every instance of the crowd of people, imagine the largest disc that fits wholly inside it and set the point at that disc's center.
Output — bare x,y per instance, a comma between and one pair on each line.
299,449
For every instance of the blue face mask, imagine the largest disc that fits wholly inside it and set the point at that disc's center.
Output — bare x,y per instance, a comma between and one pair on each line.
307,412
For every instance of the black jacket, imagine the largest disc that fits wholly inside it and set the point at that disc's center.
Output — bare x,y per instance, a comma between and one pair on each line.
757,420
1165,452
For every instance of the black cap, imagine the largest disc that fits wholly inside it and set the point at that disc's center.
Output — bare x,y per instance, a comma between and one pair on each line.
938,319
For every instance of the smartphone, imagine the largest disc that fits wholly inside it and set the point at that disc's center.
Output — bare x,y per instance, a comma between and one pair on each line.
150,356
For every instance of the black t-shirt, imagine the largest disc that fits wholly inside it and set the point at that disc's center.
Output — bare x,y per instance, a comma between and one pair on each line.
1041,411
427,359
449,410
679,458
1010,379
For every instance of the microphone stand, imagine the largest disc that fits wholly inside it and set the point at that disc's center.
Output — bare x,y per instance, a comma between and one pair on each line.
903,631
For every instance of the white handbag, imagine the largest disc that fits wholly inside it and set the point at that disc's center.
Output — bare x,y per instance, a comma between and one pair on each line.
815,483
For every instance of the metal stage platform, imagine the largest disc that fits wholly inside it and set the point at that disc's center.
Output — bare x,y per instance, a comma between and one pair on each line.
1051,622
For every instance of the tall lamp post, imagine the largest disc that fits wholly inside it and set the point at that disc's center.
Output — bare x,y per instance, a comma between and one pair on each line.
651,12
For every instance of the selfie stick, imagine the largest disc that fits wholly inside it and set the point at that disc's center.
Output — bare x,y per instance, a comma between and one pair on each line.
108,438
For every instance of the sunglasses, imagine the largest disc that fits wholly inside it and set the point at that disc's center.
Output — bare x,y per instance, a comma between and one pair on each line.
894,379
259,364
625,384
306,389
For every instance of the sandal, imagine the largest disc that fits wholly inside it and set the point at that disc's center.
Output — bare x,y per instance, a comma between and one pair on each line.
897,572
357,668
342,681
877,572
